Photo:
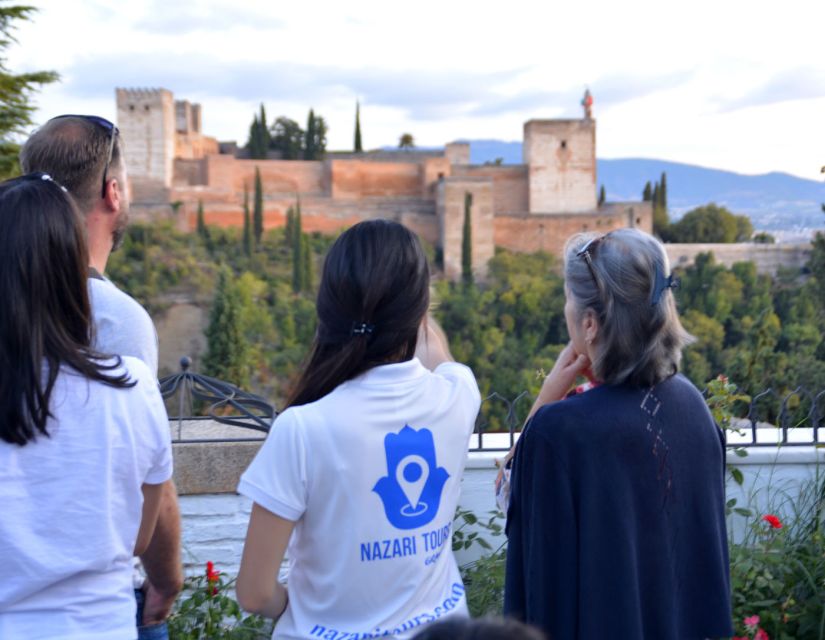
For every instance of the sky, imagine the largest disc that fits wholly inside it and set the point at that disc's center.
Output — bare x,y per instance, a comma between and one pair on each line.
723,83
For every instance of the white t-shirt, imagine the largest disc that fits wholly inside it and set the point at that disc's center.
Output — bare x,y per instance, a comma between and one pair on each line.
371,474
122,326
71,508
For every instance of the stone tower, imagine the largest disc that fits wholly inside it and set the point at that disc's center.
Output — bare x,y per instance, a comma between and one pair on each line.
146,119
561,160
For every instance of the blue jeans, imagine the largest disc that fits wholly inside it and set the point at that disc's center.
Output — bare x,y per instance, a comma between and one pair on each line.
157,631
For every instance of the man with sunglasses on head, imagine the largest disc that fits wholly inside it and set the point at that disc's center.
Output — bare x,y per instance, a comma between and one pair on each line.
84,154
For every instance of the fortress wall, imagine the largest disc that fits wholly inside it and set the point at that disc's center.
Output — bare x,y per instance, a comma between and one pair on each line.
358,179
530,232
450,207
768,258
226,176
189,172
194,145
433,170
319,214
510,188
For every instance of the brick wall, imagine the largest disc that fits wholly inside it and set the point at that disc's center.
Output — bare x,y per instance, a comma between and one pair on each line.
359,179
549,232
450,208
510,193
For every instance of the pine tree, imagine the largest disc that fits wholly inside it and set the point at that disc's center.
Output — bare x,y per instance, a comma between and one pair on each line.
226,346
297,251
309,139
258,211
247,231
358,147
467,241
647,194
602,196
16,89
289,229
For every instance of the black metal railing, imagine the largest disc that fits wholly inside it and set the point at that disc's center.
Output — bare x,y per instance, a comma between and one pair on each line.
220,401
794,419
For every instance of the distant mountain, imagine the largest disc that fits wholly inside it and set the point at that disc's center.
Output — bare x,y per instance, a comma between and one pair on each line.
774,201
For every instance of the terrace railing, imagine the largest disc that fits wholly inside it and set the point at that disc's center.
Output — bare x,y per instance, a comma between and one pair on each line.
769,419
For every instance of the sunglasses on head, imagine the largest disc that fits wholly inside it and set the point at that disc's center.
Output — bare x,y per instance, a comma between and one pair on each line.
586,253
111,129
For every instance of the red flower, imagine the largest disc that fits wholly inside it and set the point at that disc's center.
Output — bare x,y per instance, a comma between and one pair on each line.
761,634
772,520
751,622
211,574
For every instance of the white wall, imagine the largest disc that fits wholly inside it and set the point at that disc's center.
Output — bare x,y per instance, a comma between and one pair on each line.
214,526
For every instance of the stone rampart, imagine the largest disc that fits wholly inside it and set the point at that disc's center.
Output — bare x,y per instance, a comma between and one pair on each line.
534,232
510,188
768,258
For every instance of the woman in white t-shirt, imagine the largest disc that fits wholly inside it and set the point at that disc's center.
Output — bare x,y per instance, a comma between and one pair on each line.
84,438
360,475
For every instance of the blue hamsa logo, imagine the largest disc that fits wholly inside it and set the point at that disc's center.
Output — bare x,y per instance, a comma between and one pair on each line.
411,490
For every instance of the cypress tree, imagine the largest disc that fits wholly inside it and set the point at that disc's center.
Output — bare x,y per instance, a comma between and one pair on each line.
201,225
602,196
647,194
306,266
226,346
467,241
263,133
358,147
297,250
289,229
258,211
663,191
310,150
247,232
654,198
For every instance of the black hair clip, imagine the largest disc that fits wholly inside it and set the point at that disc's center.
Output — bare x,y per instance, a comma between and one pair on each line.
362,329
663,283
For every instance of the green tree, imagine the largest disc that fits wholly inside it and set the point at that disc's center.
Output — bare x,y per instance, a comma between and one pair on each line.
247,230
289,227
467,241
263,132
259,139
711,223
406,141
16,91
602,196
309,142
258,210
306,260
200,225
298,266
358,146
226,347
647,194
288,138
663,191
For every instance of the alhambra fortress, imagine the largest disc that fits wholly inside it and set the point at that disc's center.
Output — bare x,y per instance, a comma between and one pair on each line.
523,207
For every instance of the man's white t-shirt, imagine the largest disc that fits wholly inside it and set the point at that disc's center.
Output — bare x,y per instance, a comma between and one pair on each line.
122,326
71,508
371,473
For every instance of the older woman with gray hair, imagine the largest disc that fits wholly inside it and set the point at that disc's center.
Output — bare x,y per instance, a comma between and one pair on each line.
616,522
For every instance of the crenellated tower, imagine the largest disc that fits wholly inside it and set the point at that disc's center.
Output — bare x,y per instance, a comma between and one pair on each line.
146,119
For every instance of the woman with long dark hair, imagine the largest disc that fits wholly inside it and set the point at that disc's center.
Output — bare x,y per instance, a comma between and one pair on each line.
361,473
84,438
616,523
